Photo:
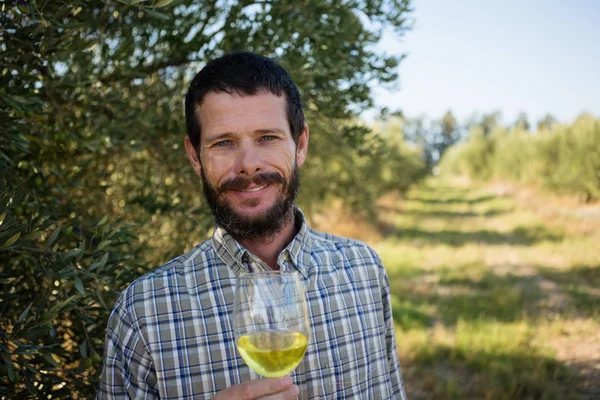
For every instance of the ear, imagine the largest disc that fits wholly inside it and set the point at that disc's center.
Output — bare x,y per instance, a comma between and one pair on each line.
193,156
302,147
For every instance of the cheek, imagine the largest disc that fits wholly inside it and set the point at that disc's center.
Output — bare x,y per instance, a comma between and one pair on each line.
214,170
283,158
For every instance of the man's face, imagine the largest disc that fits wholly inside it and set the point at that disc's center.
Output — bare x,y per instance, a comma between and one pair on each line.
248,162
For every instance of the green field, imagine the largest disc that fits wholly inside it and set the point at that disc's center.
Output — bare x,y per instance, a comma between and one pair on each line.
494,296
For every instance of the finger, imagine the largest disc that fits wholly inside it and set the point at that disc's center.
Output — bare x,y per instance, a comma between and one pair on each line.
290,394
263,387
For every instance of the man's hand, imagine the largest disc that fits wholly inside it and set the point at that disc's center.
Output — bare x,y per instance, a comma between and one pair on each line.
263,389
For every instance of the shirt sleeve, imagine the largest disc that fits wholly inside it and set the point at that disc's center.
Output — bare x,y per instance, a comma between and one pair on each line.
390,337
128,371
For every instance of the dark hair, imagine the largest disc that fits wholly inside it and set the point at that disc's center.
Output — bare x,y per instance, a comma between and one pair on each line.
242,73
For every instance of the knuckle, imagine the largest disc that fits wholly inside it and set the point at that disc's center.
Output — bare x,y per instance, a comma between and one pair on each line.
247,392
292,393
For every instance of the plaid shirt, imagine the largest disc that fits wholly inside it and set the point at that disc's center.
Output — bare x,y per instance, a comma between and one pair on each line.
170,335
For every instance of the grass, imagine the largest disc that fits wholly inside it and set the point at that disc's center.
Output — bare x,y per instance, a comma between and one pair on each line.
493,297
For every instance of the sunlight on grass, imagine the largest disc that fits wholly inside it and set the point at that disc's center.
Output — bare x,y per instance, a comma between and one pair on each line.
483,360
491,300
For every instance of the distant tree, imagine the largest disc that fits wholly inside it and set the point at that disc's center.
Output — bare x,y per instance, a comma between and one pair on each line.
546,123
522,123
490,121
565,159
448,134
433,137
401,162
486,121
419,131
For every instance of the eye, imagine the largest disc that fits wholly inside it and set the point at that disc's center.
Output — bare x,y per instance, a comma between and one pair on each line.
268,138
222,143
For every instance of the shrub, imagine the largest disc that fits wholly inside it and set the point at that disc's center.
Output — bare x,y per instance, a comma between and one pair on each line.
564,159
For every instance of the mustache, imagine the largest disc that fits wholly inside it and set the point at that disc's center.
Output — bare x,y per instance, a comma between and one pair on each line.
242,182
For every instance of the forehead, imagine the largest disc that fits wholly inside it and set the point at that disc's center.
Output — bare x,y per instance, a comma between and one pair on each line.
231,113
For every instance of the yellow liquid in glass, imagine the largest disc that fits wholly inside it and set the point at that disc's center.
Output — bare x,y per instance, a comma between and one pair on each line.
272,353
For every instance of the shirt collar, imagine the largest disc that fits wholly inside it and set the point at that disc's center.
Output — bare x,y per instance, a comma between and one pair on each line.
298,250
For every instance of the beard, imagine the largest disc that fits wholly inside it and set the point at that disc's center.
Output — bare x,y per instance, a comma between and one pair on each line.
258,227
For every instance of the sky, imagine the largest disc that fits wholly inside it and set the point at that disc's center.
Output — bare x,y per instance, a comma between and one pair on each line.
472,56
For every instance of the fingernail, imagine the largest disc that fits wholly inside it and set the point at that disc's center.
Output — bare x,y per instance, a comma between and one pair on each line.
296,390
285,381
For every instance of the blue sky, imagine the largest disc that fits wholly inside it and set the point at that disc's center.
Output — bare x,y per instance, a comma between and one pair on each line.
479,56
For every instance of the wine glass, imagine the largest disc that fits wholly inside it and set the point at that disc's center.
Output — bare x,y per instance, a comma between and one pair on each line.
271,321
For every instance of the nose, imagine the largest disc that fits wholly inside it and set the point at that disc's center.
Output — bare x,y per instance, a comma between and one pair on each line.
249,162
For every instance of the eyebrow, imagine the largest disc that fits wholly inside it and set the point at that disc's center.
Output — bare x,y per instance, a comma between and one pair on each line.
226,135
269,130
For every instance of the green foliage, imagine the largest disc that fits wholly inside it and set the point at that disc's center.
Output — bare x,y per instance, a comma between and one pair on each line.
60,279
358,165
564,159
448,134
546,123
522,122
572,155
472,157
95,188
402,163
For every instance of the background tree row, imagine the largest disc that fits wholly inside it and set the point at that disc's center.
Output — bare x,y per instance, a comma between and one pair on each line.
562,158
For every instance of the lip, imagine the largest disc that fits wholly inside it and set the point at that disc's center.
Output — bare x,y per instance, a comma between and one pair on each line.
250,193
253,190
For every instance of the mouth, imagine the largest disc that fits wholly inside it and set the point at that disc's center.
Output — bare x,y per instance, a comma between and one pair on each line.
256,189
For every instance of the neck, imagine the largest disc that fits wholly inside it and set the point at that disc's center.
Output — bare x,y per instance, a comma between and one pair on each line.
268,248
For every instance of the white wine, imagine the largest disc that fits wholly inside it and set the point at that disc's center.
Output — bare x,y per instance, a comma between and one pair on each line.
273,353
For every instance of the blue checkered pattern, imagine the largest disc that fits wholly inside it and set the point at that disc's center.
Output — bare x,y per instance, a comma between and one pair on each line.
171,336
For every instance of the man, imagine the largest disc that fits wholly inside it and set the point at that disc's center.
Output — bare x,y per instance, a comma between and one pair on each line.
170,335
